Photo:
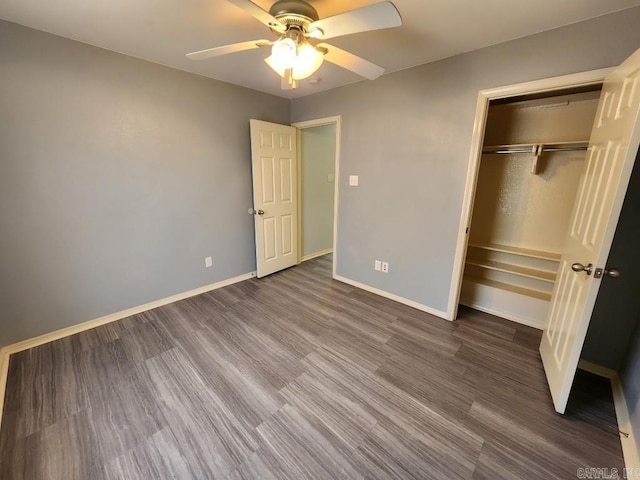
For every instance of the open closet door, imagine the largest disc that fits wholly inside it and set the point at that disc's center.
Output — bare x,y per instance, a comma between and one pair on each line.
275,197
612,150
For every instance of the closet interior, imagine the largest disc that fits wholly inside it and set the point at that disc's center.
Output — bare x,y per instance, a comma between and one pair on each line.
532,160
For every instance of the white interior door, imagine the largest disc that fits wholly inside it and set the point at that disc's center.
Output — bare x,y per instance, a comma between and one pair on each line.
275,204
612,150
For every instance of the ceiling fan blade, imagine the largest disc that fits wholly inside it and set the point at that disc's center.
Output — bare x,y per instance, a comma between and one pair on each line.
259,14
372,17
224,50
351,62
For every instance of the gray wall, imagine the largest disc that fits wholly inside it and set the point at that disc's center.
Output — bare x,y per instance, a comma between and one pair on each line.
117,178
408,134
617,307
317,161
630,379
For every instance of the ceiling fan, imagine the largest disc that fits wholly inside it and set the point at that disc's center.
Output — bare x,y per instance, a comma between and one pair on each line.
298,52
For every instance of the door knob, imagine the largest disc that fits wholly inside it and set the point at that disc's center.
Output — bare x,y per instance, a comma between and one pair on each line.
612,272
578,267
258,212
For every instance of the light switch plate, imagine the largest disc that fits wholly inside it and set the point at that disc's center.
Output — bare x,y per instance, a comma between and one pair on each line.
353,180
331,177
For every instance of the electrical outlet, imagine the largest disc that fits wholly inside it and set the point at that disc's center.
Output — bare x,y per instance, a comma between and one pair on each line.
208,262
385,267
378,266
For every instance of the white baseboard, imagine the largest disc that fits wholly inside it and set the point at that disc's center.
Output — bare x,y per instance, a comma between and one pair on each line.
81,327
627,437
498,313
316,255
392,296
7,351
596,369
4,371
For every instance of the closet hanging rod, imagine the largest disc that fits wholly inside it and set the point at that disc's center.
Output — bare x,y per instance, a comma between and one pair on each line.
566,149
536,150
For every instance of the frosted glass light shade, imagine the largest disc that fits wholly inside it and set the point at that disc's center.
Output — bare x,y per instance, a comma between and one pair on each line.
305,63
308,61
283,54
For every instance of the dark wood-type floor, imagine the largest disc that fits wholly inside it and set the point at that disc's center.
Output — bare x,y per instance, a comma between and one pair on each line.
296,376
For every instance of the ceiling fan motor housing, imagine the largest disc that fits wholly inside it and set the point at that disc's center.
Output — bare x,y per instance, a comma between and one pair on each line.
294,12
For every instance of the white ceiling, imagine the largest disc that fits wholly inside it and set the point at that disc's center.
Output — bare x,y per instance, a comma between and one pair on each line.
163,31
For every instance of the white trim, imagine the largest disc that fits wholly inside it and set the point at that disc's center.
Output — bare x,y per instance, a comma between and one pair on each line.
318,122
316,255
337,119
299,188
482,108
4,371
81,327
499,313
392,296
628,440
596,369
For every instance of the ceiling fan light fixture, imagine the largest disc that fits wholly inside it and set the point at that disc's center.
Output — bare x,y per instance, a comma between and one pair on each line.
283,54
308,61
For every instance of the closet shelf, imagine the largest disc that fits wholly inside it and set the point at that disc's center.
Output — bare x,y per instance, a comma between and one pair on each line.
530,292
534,273
525,252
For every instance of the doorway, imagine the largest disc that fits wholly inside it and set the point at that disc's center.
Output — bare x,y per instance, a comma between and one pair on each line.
279,191
534,154
318,174
546,87
610,157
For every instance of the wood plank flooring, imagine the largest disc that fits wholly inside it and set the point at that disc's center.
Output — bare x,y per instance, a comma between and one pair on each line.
297,376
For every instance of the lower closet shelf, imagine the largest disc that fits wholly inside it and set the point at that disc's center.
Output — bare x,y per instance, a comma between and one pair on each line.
508,301
529,292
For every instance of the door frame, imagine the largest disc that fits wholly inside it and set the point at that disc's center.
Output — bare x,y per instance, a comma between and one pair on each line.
337,119
547,85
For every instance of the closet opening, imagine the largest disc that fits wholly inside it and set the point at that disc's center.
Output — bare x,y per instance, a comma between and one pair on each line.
533,156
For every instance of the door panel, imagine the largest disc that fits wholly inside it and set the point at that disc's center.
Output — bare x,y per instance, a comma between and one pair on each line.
269,238
268,187
612,150
287,235
273,153
286,179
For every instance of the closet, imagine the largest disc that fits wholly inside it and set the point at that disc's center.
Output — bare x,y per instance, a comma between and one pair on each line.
533,157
